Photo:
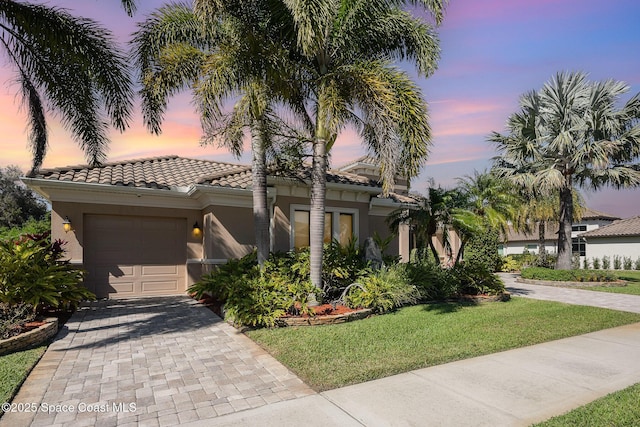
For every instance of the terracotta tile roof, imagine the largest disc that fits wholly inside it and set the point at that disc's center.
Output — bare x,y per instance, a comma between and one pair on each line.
589,213
550,231
621,227
172,171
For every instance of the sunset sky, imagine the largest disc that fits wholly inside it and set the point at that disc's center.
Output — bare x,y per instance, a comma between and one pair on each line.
492,52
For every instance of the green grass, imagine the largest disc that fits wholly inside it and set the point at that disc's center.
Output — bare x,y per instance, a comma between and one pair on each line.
616,409
14,368
326,357
633,283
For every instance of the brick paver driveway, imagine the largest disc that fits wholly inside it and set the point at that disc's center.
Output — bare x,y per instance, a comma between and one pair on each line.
149,361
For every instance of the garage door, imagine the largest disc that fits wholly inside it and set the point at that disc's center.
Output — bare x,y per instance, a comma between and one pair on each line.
134,256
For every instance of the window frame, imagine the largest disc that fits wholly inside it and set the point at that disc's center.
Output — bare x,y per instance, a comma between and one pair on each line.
335,221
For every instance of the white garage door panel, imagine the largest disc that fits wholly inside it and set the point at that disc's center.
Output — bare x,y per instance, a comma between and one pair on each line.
128,255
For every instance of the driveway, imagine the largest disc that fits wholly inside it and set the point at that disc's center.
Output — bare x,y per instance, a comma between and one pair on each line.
149,361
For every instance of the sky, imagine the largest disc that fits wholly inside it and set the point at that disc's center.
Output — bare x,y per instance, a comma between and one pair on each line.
493,51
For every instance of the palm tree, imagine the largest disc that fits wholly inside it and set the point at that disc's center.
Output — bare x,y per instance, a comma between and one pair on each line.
72,65
222,51
571,132
348,47
426,216
490,205
541,209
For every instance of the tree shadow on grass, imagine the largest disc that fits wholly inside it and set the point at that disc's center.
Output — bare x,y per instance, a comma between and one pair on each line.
449,306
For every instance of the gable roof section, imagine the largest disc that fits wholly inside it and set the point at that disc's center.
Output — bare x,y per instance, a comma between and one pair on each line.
621,227
593,214
170,172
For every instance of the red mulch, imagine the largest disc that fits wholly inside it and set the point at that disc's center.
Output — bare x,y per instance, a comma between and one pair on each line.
321,310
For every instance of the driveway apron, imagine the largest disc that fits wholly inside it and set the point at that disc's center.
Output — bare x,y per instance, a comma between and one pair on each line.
149,361
621,302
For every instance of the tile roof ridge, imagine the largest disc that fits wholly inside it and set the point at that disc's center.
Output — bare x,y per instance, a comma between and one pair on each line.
590,213
107,164
222,174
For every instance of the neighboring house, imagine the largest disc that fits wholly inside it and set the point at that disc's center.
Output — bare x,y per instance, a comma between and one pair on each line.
153,226
519,242
620,238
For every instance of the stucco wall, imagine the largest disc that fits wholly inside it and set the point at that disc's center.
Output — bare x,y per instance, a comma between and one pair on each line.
518,247
228,232
611,246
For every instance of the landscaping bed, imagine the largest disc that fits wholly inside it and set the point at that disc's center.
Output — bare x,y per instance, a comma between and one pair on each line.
572,284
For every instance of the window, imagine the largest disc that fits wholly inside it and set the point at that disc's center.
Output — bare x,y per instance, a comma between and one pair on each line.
339,223
500,250
579,228
579,246
531,247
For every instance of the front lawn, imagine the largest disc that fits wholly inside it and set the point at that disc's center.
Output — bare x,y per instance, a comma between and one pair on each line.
14,368
327,357
616,409
633,283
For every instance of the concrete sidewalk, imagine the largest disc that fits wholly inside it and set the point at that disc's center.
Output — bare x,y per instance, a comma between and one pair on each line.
513,388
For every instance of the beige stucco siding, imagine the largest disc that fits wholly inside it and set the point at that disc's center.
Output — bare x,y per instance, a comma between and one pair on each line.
228,232
377,224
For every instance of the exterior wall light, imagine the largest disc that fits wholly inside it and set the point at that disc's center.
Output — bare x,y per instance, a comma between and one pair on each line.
66,224
197,231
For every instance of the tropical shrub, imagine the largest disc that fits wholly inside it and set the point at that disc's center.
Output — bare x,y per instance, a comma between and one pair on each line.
32,272
475,278
525,259
31,226
509,264
637,263
257,298
617,262
585,264
606,262
468,278
482,249
383,290
539,273
575,261
596,263
627,263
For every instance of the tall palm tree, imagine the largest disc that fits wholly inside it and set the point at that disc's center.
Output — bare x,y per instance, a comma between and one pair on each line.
72,65
222,51
348,48
572,132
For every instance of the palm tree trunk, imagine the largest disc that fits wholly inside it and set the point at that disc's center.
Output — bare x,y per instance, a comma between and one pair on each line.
542,250
316,217
259,183
434,252
460,252
564,233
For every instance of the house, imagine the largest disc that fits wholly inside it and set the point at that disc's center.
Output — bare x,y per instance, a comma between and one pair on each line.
153,226
518,242
619,238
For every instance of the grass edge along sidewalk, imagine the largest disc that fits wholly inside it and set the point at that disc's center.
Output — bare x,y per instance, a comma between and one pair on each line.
333,356
615,409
